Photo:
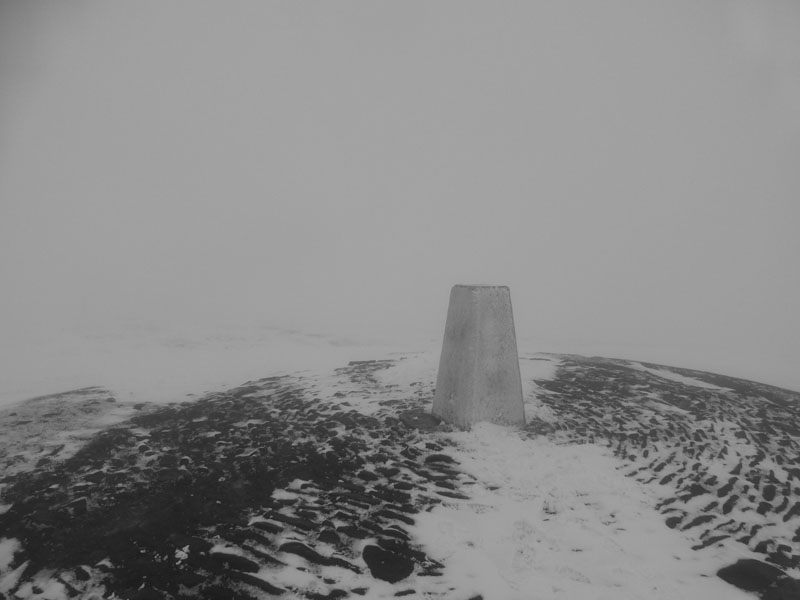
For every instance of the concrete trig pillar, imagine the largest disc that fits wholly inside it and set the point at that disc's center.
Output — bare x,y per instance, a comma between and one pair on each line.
479,376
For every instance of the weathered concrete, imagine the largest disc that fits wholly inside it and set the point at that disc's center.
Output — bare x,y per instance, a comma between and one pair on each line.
479,376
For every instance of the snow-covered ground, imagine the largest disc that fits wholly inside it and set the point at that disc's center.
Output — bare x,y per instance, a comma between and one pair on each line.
550,521
543,520
156,365
140,363
556,521
665,374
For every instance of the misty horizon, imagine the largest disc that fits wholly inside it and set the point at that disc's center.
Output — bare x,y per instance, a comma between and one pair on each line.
630,172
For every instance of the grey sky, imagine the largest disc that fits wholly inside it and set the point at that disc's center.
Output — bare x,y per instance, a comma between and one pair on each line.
629,169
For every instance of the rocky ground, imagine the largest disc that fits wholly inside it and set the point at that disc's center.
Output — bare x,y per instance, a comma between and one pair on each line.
309,486
723,452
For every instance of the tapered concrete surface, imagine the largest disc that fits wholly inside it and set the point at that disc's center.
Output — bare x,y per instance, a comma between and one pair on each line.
479,376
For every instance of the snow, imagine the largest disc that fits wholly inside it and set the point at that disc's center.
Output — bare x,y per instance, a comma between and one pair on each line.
284,495
43,587
537,366
226,549
9,579
421,366
665,374
533,368
549,521
544,520
162,366
8,547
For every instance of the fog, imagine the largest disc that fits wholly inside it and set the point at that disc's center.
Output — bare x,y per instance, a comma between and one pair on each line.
630,170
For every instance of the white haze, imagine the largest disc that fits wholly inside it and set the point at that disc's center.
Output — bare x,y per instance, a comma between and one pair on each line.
630,170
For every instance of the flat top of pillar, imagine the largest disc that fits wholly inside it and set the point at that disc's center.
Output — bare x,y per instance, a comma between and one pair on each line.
480,286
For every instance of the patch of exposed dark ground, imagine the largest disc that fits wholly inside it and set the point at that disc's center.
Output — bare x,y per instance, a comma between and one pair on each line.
178,502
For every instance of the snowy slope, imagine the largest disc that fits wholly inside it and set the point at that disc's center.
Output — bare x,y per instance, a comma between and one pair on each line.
140,364
328,484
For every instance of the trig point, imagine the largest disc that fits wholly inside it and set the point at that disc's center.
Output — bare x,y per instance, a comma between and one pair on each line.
479,367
